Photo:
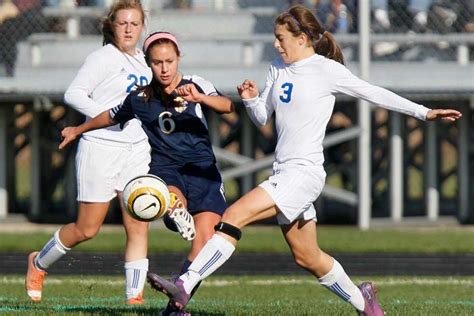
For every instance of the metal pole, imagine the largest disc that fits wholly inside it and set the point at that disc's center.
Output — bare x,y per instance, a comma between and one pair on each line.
246,144
3,163
364,119
463,170
396,168
35,202
431,160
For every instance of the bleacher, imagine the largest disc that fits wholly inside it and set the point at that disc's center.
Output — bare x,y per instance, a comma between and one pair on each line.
228,46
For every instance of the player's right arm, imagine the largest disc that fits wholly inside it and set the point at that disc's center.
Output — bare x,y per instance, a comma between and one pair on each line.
70,133
259,108
91,74
119,114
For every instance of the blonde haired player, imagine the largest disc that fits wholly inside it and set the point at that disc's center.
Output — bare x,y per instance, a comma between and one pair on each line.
299,90
106,158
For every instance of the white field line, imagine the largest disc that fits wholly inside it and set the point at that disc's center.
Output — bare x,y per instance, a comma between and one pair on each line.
261,282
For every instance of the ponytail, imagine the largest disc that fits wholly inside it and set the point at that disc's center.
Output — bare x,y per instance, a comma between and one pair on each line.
328,47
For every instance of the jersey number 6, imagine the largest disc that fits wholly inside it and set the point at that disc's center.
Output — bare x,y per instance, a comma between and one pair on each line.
166,122
287,89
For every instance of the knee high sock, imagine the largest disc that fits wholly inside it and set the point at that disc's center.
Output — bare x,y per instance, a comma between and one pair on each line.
135,275
215,252
338,282
51,252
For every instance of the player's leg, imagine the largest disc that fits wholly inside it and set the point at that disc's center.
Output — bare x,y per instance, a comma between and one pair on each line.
95,177
255,205
204,223
136,261
301,236
178,218
136,162
90,218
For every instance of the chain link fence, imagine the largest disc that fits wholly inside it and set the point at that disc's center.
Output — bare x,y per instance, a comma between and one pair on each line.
21,18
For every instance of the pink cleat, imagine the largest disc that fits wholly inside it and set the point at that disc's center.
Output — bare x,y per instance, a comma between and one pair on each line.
372,308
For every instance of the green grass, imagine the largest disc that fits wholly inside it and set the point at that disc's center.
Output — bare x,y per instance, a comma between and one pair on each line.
276,295
269,239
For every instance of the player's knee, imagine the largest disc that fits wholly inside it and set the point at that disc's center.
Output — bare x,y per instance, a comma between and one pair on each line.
302,261
136,228
86,233
229,230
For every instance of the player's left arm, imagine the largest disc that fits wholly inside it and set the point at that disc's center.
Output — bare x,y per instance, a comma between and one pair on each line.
218,103
344,81
449,115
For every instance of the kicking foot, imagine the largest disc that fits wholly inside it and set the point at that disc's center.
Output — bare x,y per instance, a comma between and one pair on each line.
174,290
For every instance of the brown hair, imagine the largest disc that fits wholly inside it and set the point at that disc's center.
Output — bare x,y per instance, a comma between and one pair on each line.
299,19
107,23
154,87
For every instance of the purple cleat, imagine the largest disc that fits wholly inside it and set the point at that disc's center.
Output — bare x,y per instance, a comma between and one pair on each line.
174,290
372,308
170,310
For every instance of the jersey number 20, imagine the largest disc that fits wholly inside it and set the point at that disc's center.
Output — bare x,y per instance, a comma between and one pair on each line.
287,89
141,81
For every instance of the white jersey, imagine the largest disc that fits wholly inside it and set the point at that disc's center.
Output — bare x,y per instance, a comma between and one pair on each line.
302,96
103,82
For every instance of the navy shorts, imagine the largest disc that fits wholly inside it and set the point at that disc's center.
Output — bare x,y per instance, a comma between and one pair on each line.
201,184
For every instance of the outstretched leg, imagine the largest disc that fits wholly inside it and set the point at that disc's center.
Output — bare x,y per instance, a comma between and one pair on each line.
253,206
301,236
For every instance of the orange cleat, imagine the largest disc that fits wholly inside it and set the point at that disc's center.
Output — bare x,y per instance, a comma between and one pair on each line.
34,279
136,300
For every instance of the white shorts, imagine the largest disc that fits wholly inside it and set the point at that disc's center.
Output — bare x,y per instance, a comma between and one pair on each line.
104,167
294,188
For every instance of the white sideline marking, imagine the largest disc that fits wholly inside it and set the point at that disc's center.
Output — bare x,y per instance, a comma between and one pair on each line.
221,283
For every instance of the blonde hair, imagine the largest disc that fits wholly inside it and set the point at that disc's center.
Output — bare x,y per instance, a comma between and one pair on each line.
107,23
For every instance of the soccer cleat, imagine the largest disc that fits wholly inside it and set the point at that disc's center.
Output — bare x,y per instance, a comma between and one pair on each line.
182,219
170,310
174,290
138,300
34,279
371,308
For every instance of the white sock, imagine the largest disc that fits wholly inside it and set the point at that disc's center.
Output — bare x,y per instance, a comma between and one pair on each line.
51,252
338,282
215,252
135,275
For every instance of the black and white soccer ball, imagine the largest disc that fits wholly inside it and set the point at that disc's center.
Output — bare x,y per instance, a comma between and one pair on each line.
146,197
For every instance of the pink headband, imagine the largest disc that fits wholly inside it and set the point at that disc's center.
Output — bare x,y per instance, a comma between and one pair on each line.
156,36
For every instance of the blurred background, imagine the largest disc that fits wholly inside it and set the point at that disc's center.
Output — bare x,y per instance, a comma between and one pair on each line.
421,49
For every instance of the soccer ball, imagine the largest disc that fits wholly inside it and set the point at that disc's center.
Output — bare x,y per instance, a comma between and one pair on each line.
146,197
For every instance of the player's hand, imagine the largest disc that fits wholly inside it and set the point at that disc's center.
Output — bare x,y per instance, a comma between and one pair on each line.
248,89
449,115
189,93
69,134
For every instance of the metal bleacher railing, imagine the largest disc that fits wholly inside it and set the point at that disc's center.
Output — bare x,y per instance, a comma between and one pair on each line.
47,62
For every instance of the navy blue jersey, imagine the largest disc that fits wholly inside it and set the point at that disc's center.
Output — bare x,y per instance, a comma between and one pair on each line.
177,135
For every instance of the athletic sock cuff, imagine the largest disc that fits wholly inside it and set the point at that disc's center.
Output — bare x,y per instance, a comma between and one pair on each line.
59,243
141,264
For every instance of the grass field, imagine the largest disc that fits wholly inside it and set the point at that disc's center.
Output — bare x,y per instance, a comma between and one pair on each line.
253,295
270,240
274,295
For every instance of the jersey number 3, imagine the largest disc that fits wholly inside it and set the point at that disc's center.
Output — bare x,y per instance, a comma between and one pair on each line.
287,89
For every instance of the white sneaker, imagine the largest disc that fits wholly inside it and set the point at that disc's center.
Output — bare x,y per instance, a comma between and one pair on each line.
181,217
